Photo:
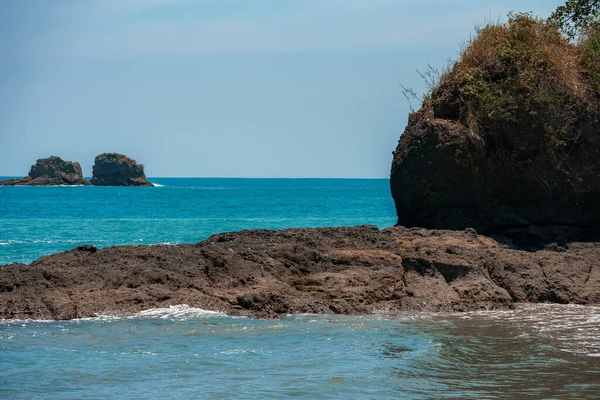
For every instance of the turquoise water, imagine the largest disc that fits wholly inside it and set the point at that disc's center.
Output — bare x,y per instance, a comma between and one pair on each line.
36,221
545,351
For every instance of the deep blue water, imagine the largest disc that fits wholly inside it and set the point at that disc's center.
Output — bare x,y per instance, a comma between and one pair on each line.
543,351
36,221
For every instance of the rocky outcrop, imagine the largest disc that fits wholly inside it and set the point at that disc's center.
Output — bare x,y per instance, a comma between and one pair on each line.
113,169
440,180
508,143
264,273
51,171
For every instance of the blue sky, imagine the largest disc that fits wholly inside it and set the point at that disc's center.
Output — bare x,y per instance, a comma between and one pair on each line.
226,88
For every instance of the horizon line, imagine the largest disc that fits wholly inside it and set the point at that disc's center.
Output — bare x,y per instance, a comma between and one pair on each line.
234,177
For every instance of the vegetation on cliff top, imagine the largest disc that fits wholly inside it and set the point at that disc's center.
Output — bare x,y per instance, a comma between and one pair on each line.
560,54
526,89
524,70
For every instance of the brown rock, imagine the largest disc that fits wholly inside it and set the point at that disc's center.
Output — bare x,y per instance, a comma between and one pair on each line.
51,171
438,180
113,169
263,273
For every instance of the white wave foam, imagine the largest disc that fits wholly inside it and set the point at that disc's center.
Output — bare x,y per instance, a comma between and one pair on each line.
237,351
47,241
24,322
574,328
157,184
179,311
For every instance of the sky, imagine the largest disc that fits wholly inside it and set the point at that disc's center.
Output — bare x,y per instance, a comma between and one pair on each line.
224,88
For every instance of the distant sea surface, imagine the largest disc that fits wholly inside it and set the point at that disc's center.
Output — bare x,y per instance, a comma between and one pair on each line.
534,351
36,221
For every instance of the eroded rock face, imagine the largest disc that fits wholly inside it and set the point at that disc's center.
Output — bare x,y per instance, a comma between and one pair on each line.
263,273
113,169
51,171
441,179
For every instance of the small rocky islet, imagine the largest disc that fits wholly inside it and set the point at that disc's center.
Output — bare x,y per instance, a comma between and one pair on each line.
113,169
496,183
51,171
110,169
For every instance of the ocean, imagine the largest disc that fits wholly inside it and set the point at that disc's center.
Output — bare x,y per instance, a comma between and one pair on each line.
36,221
534,351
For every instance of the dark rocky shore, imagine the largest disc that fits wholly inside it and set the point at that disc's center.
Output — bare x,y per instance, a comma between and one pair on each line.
263,273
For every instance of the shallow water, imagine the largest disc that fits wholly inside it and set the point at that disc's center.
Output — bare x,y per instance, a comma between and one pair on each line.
36,221
544,351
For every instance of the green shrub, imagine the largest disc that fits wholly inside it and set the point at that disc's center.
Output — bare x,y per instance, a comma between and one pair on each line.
520,86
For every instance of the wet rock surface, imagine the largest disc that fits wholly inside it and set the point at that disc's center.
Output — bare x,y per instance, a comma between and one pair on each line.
51,171
262,273
113,169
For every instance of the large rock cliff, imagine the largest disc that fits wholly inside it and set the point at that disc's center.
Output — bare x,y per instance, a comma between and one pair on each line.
508,143
113,169
50,171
